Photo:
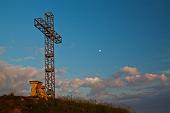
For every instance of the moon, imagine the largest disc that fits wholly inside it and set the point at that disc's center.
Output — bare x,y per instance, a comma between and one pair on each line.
100,50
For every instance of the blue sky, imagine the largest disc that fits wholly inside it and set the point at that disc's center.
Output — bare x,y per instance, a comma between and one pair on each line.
133,33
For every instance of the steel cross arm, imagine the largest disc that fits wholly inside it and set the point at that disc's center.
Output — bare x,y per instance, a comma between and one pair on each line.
45,29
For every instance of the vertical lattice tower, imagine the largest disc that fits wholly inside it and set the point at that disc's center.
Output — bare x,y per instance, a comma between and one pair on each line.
46,26
49,57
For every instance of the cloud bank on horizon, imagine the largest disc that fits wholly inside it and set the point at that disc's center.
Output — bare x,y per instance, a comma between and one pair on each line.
127,84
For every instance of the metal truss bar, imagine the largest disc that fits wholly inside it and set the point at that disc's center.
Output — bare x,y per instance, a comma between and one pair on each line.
44,28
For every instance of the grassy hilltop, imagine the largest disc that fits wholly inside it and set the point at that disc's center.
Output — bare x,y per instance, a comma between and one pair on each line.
20,104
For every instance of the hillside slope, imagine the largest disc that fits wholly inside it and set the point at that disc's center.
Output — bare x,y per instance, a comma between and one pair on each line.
20,104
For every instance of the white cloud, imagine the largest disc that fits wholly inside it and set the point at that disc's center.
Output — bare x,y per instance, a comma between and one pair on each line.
16,77
133,78
166,71
60,71
130,70
163,77
151,76
132,75
104,89
23,58
92,80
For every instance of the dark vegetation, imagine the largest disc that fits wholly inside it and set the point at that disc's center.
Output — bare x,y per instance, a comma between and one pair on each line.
20,104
